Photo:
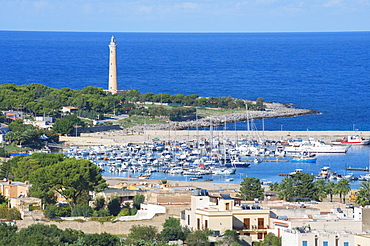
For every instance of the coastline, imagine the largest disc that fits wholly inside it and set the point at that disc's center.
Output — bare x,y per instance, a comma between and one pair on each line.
273,110
113,181
119,137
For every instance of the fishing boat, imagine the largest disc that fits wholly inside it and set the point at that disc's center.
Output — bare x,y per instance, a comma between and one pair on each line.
352,140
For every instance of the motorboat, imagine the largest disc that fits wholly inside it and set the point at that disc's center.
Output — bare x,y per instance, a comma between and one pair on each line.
315,147
325,173
352,140
304,159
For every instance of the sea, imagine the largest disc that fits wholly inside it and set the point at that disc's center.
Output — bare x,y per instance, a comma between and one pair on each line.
323,71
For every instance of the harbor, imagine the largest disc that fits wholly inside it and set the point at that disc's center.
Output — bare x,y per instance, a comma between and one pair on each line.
212,160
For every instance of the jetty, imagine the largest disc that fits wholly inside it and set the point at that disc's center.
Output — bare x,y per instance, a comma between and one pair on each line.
366,169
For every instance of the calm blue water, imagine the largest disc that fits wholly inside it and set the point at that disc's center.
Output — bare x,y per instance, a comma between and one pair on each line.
357,156
328,72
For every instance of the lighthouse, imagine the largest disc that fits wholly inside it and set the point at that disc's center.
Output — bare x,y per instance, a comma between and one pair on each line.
112,82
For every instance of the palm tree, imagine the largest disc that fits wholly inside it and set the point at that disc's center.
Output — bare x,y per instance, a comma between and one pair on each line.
320,186
363,195
331,190
343,187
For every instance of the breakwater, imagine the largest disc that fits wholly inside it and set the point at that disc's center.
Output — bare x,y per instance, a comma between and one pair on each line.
273,110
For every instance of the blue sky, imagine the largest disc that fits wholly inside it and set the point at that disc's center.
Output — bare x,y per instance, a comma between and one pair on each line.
185,16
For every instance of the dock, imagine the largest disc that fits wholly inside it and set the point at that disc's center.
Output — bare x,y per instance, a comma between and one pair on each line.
358,169
277,160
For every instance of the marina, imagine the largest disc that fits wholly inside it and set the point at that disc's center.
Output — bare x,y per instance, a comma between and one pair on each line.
189,161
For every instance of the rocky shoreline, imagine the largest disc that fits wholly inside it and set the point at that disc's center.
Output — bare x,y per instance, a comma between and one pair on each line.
273,110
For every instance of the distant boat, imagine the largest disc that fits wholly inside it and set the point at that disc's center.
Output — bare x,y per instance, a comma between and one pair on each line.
305,159
352,140
315,147
144,176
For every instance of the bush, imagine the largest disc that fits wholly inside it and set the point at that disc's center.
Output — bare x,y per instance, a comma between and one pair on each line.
124,212
57,211
82,210
114,206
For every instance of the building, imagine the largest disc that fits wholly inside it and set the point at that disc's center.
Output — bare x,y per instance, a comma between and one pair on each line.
316,238
225,213
14,189
4,129
112,80
68,109
13,115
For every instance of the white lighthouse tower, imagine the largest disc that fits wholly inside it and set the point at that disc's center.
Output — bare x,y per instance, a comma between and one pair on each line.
112,83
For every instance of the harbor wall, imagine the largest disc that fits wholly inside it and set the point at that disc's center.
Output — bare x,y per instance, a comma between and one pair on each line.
115,137
117,228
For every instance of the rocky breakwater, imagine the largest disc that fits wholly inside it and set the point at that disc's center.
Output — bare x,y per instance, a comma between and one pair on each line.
273,110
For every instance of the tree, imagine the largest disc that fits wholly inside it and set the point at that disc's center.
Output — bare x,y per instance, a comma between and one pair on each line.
8,234
24,167
44,235
9,213
82,210
114,206
198,238
66,124
230,238
363,195
172,230
299,187
99,203
250,189
330,189
74,178
320,186
270,240
342,188
103,239
138,200
140,232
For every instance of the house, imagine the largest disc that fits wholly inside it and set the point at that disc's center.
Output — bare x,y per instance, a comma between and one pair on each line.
68,109
13,115
317,238
4,129
14,189
226,213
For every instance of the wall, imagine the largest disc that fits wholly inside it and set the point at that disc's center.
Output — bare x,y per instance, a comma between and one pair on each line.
122,227
147,211
99,128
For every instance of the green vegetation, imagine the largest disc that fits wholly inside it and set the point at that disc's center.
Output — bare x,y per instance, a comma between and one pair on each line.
141,120
363,195
250,188
21,133
92,102
172,230
270,240
302,187
52,174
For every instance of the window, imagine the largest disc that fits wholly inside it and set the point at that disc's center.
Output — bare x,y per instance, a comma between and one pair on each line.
261,223
227,206
304,243
325,243
206,224
198,224
247,223
346,244
259,235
